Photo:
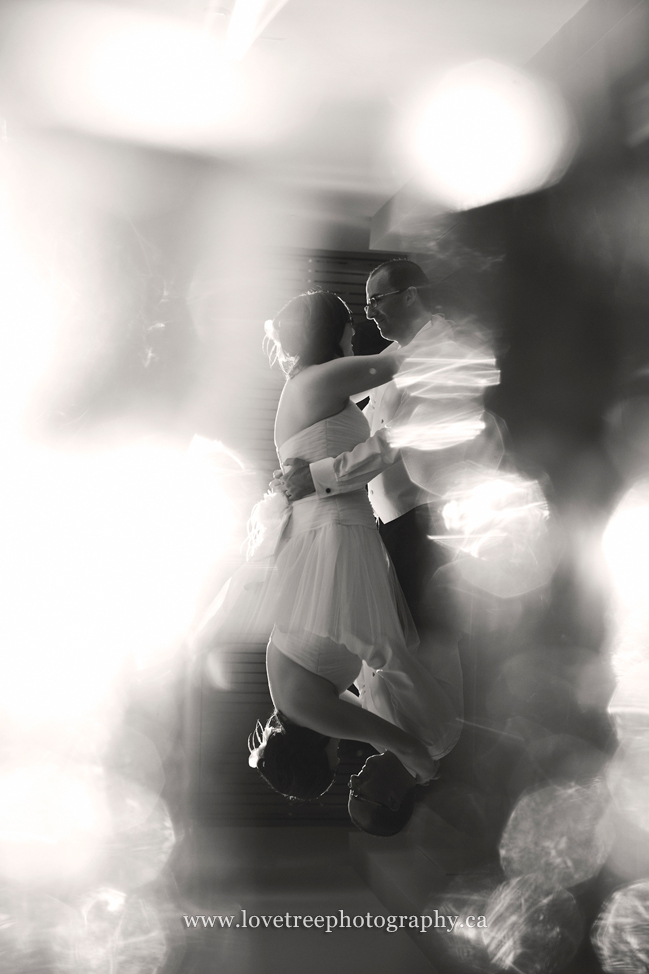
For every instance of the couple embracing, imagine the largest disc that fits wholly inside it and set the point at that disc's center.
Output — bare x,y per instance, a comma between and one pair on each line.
352,603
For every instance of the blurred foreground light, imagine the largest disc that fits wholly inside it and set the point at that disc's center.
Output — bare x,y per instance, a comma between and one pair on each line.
38,933
104,557
489,132
561,834
628,779
121,933
466,895
247,20
626,546
498,525
620,934
52,819
446,378
532,928
629,705
129,73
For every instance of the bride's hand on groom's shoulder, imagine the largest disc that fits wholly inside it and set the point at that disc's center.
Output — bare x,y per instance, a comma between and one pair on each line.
419,762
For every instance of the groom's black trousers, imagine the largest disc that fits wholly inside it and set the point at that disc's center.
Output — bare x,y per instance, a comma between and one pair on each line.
417,561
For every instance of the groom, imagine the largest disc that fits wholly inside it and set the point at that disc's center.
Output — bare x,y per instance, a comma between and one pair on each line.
399,300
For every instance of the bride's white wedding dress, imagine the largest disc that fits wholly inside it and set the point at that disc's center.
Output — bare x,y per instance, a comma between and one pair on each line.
335,603
339,610
336,600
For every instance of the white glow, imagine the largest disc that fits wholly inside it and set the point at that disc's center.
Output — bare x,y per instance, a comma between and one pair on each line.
126,72
478,516
489,132
446,379
619,935
30,314
51,820
498,526
626,546
248,19
104,556
561,834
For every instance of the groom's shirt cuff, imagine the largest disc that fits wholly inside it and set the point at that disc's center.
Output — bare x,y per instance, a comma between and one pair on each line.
324,477
355,469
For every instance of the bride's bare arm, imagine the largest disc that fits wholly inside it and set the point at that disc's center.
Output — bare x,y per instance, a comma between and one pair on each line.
354,374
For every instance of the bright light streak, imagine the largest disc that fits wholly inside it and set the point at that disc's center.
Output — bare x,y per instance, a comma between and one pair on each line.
247,20
477,517
445,380
561,834
619,934
489,132
125,72
437,426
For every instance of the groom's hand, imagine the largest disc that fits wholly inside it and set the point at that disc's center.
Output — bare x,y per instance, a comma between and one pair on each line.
298,479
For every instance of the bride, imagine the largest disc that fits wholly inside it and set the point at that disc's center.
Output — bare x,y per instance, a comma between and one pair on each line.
336,603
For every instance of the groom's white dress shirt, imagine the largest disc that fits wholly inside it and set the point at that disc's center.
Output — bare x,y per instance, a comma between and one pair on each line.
420,692
375,462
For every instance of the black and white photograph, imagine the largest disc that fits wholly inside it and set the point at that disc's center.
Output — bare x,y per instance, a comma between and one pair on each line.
325,491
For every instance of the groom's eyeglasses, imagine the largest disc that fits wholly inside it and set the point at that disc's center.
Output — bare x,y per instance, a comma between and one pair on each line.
373,301
367,801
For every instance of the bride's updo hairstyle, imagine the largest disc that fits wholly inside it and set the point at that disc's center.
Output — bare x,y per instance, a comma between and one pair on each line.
291,759
308,331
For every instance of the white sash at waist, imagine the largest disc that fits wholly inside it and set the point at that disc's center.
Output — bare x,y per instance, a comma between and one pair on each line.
313,512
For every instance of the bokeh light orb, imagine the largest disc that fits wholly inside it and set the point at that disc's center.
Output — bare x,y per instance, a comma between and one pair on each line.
620,934
489,132
466,895
498,525
532,928
121,70
561,834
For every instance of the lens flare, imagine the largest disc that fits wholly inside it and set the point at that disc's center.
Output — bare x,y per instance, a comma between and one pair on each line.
121,932
561,835
445,380
626,542
467,895
628,777
37,933
619,935
489,132
142,837
52,820
532,928
498,526
247,20
625,549
123,72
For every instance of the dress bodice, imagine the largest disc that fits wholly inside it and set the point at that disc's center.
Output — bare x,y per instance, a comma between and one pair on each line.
328,437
